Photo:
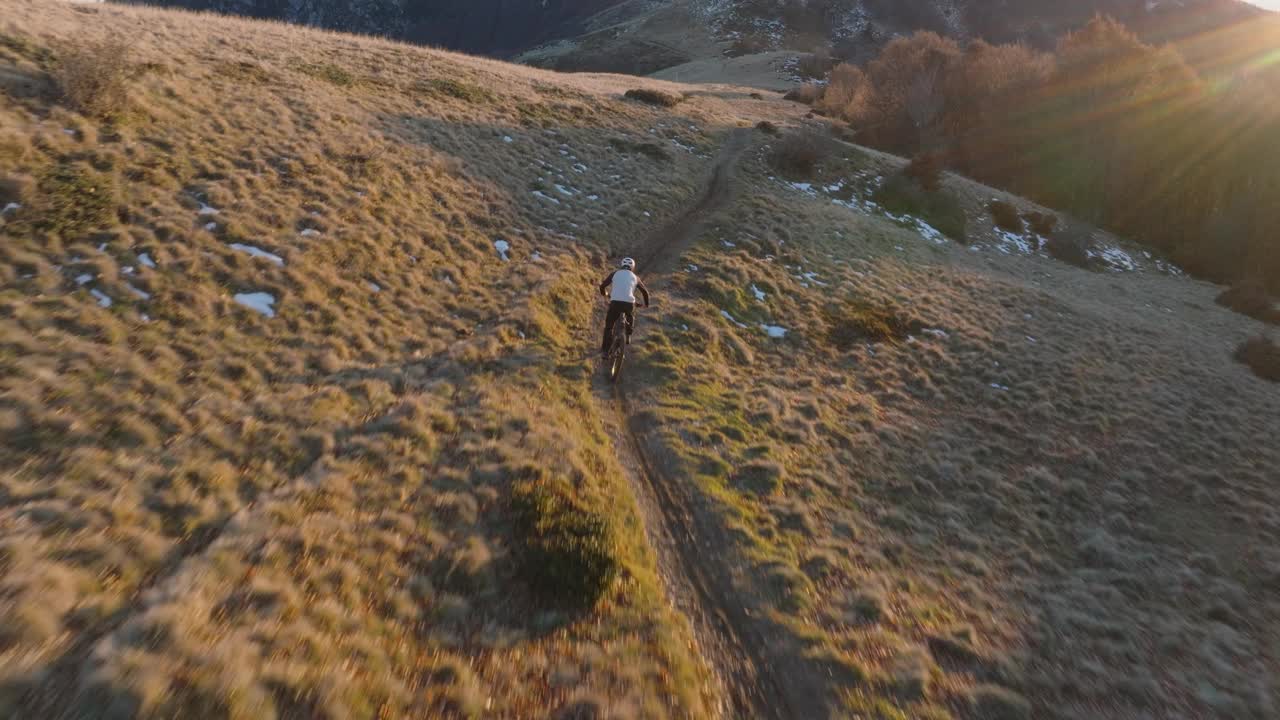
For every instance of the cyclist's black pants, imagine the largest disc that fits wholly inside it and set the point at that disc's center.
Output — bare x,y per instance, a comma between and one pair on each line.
617,309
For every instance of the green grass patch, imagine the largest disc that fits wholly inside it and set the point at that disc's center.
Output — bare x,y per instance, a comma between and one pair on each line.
903,196
328,72
457,89
568,552
74,200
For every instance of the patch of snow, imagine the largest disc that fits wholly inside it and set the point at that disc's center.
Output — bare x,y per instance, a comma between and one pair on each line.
774,331
646,214
503,247
206,210
544,196
692,268
570,192
812,277
941,334
507,139
757,292
1116,259
310,232
803,187
103,299
260,302
1001,388
593,197
373,286
146,260
138,291
728,244
11,207
210,227
258,252
725,314
84,279
1012,242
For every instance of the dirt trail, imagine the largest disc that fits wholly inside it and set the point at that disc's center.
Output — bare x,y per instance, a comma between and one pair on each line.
756,676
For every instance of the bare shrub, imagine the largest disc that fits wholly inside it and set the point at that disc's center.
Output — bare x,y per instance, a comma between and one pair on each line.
1043,224
797,155
1006,216
848,95
1262,356
815,65
1072,247
94,77
806,94
1250,298
926,170
654,97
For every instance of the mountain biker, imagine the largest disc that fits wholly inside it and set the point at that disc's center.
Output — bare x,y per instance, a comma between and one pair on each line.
622,299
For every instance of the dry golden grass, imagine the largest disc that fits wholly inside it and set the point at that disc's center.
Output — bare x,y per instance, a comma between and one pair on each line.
206,509
1046,492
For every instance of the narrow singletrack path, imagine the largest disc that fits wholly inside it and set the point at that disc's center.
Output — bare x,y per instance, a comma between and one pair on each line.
751,679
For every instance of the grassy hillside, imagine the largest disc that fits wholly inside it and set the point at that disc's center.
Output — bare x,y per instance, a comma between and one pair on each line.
298,416
279,337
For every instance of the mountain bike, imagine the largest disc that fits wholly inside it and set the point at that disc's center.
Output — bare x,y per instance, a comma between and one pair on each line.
617,350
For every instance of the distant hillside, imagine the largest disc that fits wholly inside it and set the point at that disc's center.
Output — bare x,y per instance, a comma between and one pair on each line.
602,34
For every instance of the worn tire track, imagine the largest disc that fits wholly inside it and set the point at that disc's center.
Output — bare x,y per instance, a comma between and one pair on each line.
753,677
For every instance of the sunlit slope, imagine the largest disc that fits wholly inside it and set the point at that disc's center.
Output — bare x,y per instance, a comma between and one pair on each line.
279,335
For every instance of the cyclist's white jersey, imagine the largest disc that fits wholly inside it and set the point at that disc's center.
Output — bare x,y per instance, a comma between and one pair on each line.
624,286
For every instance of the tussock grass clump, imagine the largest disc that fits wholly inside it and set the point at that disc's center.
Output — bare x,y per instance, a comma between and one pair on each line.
94,77
653,151
760,477
74,200
1262,355
902,195
568,554
797,155
329,73
654,97
767,128
993,702
806,94
1006,216
859,321
1252,299
458,90
243,71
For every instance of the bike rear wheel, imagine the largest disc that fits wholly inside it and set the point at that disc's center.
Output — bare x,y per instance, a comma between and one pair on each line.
616,354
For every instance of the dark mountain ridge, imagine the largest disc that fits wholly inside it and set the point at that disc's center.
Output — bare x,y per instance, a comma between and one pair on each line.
503,28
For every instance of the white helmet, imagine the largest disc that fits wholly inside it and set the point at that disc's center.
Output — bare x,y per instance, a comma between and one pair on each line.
628,263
